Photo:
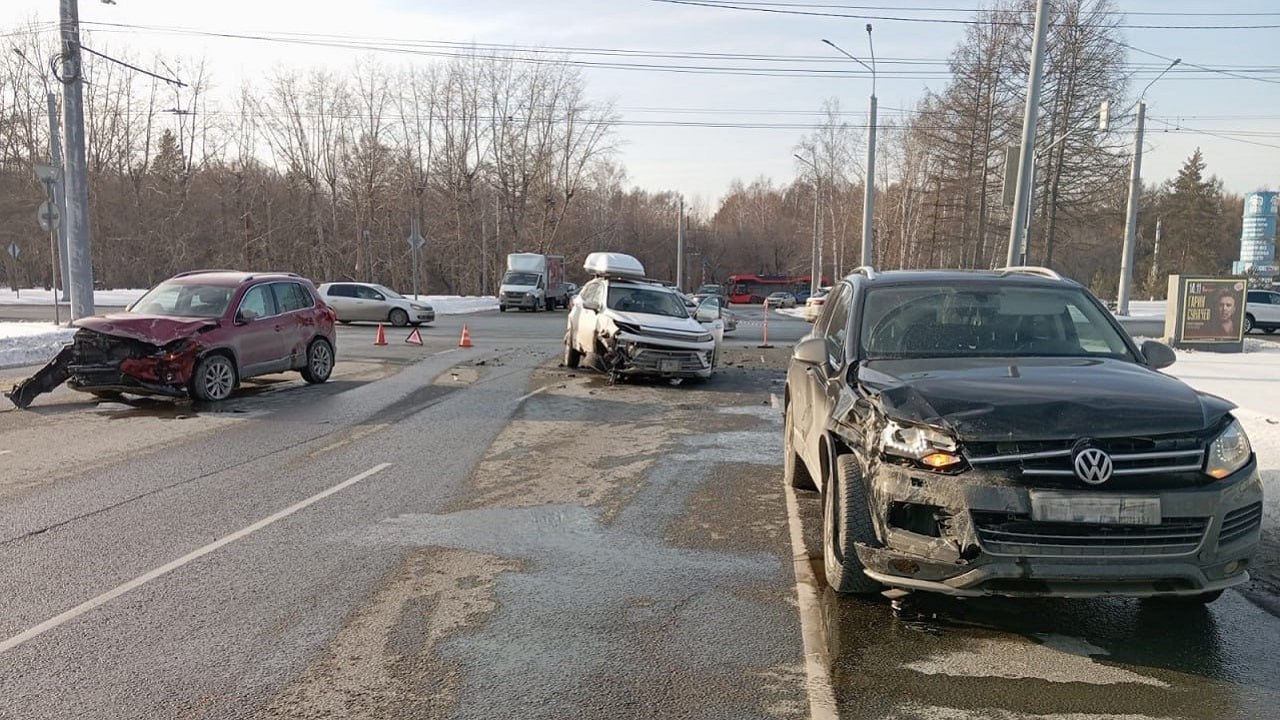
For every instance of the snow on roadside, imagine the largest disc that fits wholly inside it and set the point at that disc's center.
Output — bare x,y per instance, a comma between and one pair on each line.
33,343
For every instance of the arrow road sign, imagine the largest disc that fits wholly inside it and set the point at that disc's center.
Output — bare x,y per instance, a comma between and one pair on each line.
416,241
48,217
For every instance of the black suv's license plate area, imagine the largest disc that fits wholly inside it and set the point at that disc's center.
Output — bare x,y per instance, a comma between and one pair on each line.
1052,506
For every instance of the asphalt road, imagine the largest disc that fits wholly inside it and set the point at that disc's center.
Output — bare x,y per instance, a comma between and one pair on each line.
479,533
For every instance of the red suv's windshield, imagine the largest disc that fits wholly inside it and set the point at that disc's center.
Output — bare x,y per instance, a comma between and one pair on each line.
172,299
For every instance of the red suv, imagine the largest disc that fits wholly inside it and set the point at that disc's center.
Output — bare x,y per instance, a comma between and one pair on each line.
197,333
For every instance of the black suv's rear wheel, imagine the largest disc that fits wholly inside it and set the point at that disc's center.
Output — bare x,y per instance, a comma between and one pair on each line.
794,471
846,521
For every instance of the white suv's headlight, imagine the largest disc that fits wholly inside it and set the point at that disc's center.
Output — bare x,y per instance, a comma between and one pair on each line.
932,448
704,337
1228,452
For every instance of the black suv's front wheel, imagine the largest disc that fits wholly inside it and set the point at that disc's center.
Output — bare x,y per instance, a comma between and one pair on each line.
846,521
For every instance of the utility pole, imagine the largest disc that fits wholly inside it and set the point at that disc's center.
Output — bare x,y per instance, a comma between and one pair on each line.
680,247
1022,191
815,257
1131,208
869,189
869,193
59,191
1154,274
75,175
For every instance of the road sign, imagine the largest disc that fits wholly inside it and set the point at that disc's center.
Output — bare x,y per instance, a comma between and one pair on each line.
48,216
416,241
14,252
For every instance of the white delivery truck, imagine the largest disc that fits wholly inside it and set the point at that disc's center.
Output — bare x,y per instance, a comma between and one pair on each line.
533,282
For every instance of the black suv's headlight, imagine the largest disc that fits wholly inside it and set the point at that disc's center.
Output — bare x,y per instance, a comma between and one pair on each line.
927,446
1228,452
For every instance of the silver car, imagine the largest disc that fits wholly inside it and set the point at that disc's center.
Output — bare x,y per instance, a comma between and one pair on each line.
367,302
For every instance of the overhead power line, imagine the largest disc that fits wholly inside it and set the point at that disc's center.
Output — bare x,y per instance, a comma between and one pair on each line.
773,8
978,8
810,66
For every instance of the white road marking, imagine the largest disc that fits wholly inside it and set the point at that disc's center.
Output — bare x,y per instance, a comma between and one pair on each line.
822,699
526,396
141,580
5,452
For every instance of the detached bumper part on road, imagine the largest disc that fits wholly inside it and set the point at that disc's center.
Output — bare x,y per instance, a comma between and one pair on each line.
973,535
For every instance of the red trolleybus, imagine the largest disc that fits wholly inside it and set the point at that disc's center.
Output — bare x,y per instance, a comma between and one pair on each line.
745,289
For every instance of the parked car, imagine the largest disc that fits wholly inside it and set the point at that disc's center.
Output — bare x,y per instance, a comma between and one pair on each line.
356,301
780,300
626,324
570,291
714,307
199,334
998,433
813,304
1262,311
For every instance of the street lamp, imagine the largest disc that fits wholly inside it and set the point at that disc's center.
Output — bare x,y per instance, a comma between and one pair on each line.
815,267
869,191
1131,210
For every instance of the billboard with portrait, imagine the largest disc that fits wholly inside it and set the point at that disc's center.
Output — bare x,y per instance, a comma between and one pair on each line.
1212,310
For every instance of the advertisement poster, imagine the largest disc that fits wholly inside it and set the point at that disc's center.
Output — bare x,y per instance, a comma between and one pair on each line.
1213,310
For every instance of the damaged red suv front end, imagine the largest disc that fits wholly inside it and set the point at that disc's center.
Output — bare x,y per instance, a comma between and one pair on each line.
137,354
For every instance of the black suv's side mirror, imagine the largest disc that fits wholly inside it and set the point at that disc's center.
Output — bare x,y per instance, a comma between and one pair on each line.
810,351
1158,354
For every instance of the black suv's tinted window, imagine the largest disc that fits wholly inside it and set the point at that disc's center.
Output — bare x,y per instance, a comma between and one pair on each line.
985,320
835,321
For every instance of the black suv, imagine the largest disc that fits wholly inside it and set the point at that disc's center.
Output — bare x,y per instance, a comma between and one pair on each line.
998,433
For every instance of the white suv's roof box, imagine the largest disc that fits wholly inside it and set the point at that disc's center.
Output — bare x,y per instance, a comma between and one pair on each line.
613,264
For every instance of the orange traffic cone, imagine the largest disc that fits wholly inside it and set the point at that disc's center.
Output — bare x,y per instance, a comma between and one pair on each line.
465,342
381,337
415,337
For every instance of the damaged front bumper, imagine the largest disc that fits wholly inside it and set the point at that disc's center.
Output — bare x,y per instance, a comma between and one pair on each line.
98,363
657,355
974,534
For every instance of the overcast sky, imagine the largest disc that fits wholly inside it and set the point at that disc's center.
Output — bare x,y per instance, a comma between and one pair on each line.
669,134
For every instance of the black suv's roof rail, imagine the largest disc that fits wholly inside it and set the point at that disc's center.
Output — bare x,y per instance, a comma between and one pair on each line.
1030,270
867,270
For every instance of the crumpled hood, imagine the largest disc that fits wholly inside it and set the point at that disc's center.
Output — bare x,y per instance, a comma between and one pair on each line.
1030,399
658,322
155,329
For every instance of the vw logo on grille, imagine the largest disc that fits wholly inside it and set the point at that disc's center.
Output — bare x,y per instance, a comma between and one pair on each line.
1093,466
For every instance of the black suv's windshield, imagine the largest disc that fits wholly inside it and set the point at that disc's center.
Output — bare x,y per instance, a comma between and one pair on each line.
985,321
649,300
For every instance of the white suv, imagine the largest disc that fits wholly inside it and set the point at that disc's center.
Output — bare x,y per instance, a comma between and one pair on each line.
1262,311
625,324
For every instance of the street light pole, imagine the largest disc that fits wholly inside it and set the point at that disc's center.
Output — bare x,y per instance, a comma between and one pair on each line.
1030,114
869,183
1131,207
815,266
76,175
